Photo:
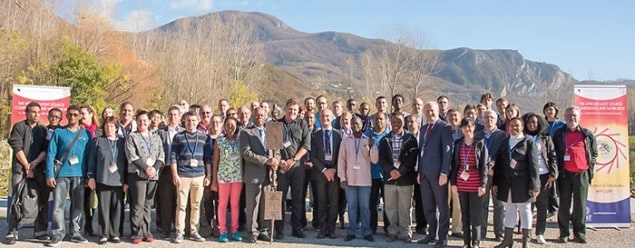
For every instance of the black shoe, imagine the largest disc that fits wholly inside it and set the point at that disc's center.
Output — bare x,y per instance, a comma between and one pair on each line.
349,237
251,240
11,239
279,236
298,234
421,230
369,238
332,235
579,239
78,239
54,242
429,238
44,237
264,237
563,240
441,244
321,235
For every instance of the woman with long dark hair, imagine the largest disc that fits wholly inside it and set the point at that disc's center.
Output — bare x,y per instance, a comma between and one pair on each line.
536,129
227,178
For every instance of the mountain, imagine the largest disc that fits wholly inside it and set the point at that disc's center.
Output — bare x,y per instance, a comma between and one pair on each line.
319,60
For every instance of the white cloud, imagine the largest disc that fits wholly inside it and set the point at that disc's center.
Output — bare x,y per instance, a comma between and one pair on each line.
136,21
181,4
191,4
204,5
105,8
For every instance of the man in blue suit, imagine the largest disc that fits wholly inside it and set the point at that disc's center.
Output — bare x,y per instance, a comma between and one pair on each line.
434,165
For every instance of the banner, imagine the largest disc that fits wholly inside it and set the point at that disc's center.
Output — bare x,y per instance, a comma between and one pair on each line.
47,96
604,111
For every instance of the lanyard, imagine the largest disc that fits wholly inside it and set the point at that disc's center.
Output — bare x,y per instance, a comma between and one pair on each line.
113,149
287,128
188,144
358,142
232,144
467,154
148,143
575,141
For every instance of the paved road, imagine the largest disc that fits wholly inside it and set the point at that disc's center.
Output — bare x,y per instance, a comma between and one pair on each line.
596,238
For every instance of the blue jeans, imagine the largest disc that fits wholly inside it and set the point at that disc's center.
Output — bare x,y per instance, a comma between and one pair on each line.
358,198
74,186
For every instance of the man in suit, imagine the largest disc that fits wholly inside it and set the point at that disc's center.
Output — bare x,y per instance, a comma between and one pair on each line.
326,145
165,200
258,162
434,167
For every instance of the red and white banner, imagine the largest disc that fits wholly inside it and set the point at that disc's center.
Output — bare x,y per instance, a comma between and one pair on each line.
47,96
604,111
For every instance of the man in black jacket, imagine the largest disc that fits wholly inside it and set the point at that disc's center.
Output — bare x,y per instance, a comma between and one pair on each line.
576,150
28,141
398,157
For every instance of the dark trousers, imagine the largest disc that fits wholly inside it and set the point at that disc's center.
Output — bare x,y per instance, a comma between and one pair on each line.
89,212
420,217
435,198
328,193
242,218
255,199
41,221
542,202
165,201
305,187
499,212
554,200
574,188
377,193
471,217
293,178
209,207
110,205
141,198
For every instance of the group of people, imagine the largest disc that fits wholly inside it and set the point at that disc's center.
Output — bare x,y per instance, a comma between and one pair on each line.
192,164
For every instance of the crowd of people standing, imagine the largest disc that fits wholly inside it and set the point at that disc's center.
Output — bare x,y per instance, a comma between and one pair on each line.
193,165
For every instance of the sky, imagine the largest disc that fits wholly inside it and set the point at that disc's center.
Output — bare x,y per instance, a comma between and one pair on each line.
592,40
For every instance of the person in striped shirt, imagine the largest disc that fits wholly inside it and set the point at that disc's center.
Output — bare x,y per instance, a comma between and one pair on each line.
469,179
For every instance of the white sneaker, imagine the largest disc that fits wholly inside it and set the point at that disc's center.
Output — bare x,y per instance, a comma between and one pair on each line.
540,239
197,237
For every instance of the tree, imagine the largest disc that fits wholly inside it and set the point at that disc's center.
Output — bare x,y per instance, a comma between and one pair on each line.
86,76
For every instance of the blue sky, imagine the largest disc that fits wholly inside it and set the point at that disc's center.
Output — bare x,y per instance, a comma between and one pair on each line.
588,39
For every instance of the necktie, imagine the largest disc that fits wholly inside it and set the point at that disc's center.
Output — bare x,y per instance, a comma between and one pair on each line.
327,142
262,136
428,129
